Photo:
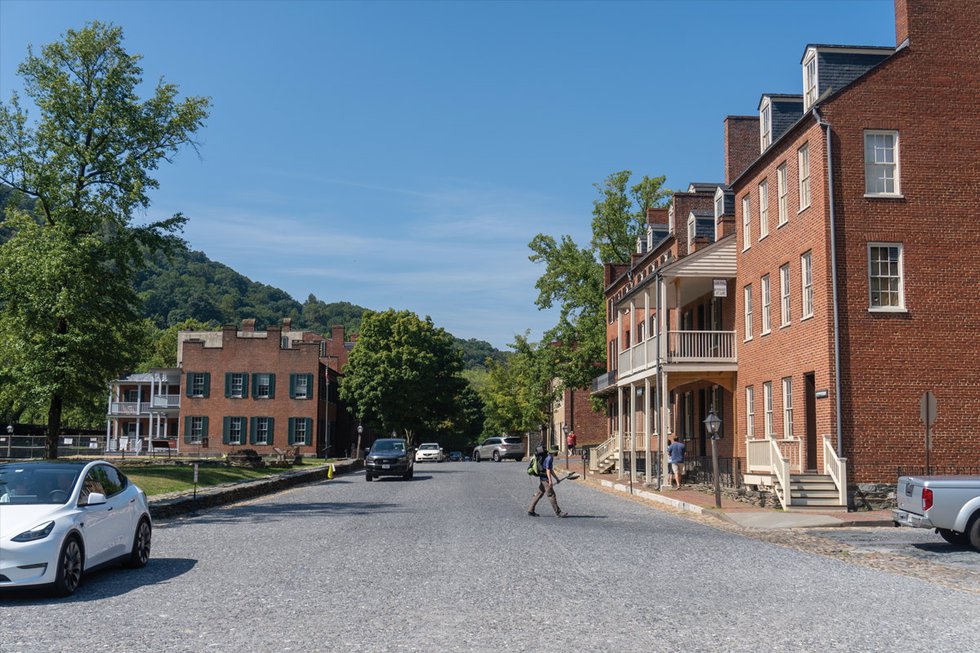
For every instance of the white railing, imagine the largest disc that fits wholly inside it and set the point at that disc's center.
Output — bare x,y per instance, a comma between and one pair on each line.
624,362
125,407
694,346
780,468
758,456
836,468
639,356
601,452
166,401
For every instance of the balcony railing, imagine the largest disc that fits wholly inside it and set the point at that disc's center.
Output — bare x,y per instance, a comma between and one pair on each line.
166,401
701,346
143,408
604,381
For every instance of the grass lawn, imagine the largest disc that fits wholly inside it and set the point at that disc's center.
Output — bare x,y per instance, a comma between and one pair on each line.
163,479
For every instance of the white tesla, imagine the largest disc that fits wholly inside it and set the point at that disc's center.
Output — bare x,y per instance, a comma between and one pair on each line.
61,519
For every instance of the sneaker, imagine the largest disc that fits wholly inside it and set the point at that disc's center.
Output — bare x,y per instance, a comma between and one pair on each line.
532,514
563,514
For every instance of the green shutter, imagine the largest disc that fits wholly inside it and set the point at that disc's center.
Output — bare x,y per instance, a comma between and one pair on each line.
292,386
272,386
187,430
189,380
309,386
225,430
244,430
292,431
252,429
255,386
207,384
271,440
227,384
244,385
204,428
309,431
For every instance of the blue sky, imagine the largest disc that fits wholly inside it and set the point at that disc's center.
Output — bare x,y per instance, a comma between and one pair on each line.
404,154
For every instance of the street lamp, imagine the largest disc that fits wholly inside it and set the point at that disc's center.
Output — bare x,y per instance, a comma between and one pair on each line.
564,431
713,423
10,438
357,452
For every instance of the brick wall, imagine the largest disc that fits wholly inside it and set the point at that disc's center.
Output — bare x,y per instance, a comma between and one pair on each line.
741,144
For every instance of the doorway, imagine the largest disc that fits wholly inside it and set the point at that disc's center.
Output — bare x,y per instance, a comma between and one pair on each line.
810,408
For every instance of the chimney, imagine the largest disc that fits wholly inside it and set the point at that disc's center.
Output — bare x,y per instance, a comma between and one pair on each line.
657,216
287,324
248,325
901,21
337,334
741,144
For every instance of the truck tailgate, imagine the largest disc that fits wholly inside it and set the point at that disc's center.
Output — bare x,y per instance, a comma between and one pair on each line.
909,495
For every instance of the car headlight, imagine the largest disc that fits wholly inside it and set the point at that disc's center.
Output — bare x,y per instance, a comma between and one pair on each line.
402,459
37,533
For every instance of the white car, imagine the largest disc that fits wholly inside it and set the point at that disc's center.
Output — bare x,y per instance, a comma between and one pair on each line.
61,519
428,452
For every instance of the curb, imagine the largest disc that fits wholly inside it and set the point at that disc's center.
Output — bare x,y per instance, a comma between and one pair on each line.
166,506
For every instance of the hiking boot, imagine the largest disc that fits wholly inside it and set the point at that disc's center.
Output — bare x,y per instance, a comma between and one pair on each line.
531,513
562,514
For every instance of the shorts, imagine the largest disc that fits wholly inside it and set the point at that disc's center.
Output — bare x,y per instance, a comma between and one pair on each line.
677,468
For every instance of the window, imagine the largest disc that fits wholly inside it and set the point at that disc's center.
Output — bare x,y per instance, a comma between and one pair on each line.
691,233
765,305
788,407
803,156
881,163
885,277
299,431
784,295
781,191
670,219
300,386
609,312
195,430
263,385
262,430
765,124
810,80
236,385
198,384
719,204
806,271
746,224
750,411
748,312
763,208
234,430
767,407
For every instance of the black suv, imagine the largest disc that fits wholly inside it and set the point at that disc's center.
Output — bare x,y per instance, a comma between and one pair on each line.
389,457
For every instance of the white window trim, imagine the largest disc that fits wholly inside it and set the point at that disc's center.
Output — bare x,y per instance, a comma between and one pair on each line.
788,408
719,200
765,124
767,408
692,230
782,191
197,430
901,279
259,385
897,194
747,298
239,422
763,209
750,412
803,182
785,302
746,223
806,287
808,98
766,304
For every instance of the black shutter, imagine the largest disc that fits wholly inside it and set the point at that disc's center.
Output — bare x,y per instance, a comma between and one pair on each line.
292,431
272,386
244,385
225,429
187,430
227,384
207,384
292,386
271,440
252,429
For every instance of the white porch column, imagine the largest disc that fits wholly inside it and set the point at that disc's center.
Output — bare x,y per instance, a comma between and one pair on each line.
664,403
619,432
633,431
647,422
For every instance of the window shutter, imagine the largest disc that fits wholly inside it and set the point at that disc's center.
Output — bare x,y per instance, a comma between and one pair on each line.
292,431
309,386
225,428
272,386
244,385
255,386
271,440
251,430
207,384
309,430
245,431
227,384
189,380
187,430
292,386
204,428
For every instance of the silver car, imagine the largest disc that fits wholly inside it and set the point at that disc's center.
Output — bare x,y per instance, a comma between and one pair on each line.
499,448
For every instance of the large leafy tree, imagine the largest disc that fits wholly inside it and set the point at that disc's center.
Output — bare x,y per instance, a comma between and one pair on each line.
518,391
403,375
68,310
573,278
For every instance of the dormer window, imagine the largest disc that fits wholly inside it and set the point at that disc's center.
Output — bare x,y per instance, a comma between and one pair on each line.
670,218
809,79
719,203
765,124
692,232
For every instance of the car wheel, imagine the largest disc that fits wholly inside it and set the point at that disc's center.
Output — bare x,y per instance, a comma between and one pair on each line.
476,456
496,456
973,532
70,566
140,554
368,477
954,538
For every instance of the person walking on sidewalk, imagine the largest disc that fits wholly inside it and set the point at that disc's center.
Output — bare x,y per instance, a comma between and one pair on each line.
546,481
675,457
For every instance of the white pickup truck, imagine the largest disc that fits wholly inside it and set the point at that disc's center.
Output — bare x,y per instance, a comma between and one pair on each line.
949,504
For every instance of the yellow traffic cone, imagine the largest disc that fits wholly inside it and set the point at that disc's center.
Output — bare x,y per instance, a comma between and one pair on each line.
330,472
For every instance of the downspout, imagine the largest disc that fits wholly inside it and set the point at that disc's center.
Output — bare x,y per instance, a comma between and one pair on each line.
833,273
661,430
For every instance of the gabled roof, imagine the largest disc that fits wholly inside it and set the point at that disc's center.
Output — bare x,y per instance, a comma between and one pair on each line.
702,187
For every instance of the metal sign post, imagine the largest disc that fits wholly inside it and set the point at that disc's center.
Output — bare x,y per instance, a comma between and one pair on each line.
195,480
927,415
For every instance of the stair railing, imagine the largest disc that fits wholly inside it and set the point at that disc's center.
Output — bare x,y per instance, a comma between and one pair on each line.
602,452
836,468
780,468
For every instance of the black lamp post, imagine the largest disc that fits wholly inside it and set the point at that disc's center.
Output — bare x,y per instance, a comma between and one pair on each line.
10,438
357,452
564,431
713,423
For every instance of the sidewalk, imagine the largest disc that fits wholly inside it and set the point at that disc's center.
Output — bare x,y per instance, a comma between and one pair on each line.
736,512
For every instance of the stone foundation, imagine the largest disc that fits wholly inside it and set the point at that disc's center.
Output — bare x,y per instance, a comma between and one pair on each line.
871,496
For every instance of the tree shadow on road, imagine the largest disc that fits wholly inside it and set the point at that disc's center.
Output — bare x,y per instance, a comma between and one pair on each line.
273,512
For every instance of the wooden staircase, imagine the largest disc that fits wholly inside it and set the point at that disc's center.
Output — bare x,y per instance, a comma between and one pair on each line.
814,491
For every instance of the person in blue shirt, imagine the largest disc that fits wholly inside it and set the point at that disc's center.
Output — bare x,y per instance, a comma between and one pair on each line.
675,457
547,480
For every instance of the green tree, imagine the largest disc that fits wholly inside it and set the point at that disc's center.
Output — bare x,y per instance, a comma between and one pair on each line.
163,350
403,375
518,392
68,310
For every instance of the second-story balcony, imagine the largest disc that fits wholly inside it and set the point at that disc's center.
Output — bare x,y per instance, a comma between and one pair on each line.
166,401
604,383
156,404
681,347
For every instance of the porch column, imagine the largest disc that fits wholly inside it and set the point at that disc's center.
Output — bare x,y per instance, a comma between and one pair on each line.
647,422
633,431
664,403
619,433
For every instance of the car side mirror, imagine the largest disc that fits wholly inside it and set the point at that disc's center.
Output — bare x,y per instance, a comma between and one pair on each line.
95,499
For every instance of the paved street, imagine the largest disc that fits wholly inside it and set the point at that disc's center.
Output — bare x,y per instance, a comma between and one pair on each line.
450,561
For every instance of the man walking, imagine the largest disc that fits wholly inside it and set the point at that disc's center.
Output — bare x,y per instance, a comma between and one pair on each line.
546,481
675,458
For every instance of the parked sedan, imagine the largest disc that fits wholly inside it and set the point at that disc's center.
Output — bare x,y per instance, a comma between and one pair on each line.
499,448
389,457
59,520
429,451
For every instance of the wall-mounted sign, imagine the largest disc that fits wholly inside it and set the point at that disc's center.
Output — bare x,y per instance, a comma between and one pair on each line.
721,287
821,394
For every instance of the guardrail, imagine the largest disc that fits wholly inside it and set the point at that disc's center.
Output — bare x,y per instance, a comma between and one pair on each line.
836,468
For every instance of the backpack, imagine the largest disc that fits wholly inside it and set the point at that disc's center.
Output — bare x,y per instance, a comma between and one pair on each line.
536,466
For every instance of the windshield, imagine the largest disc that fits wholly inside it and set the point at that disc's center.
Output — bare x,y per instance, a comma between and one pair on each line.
513,441
387,446
37,484
429,446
